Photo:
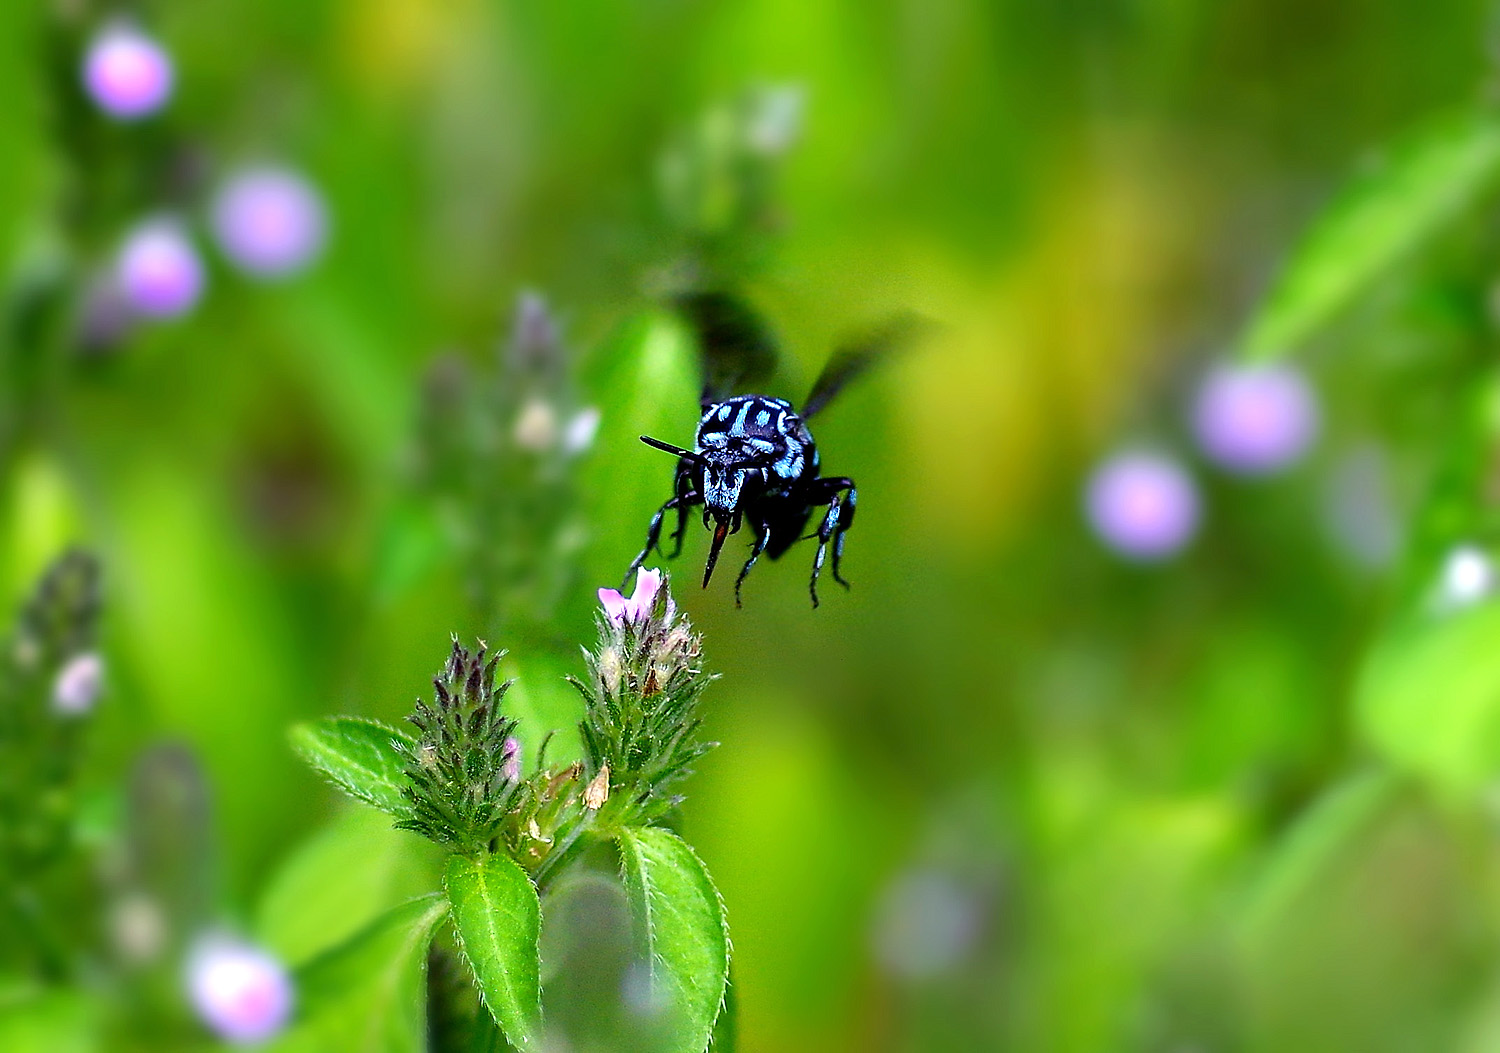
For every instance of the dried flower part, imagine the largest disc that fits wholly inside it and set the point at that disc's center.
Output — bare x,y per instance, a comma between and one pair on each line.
641,701
463,771
597,791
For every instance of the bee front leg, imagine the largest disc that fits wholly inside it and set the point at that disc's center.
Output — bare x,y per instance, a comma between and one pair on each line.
681,502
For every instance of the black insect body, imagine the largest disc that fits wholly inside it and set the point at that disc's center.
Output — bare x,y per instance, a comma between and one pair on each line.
754,460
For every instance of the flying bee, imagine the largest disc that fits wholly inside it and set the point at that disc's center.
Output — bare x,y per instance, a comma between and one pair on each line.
753,458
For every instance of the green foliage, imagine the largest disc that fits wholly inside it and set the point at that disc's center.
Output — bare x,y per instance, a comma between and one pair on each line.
680,920
1411,195
42,863
497,916
364,757
368,995
1428,697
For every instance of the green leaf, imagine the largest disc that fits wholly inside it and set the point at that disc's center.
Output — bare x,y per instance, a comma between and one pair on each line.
1421,185
1428,697
339,880
680,918
498,919
359,755
38,1020
369,995
727,1027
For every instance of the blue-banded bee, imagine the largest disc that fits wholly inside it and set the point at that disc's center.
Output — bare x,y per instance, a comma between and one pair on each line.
753,458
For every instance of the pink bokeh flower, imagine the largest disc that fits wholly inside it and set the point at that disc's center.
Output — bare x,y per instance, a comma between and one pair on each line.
158,270
270,221
1143,505
242,993
127,73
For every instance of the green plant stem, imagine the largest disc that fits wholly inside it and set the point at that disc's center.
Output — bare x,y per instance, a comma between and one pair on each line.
570,847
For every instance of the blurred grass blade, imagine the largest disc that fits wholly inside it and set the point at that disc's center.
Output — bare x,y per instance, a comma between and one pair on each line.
359,755
369,995
1428,697
679,914
1319,837
499,920
1383,214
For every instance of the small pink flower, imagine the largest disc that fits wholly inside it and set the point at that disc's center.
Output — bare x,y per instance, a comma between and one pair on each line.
638,607
241,992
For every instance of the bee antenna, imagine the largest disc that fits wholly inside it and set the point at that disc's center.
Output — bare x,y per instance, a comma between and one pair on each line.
667,447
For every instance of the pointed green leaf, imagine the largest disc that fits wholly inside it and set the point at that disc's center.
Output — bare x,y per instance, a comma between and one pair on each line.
1371,224
498,918
359,755
727,1027
680,917
369,995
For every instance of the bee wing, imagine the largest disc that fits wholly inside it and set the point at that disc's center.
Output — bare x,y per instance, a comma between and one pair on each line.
854,358
737,347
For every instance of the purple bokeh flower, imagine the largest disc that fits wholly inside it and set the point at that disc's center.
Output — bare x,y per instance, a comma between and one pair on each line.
638,607
242,993
1142,505
1255,420
78,684
269,221
158,270
127,73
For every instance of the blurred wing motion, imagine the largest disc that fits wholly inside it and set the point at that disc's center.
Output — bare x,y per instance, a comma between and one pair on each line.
737,348
852,359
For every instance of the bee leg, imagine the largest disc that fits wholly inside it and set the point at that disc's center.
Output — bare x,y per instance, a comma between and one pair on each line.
682,486
762,539
842,497
653,532
846,520
682,521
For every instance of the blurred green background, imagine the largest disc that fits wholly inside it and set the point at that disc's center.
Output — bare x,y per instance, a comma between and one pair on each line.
1010,792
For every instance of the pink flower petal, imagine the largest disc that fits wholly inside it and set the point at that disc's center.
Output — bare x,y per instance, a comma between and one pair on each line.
615,606
647,585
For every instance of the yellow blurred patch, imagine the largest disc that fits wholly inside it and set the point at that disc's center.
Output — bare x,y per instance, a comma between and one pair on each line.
397,45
